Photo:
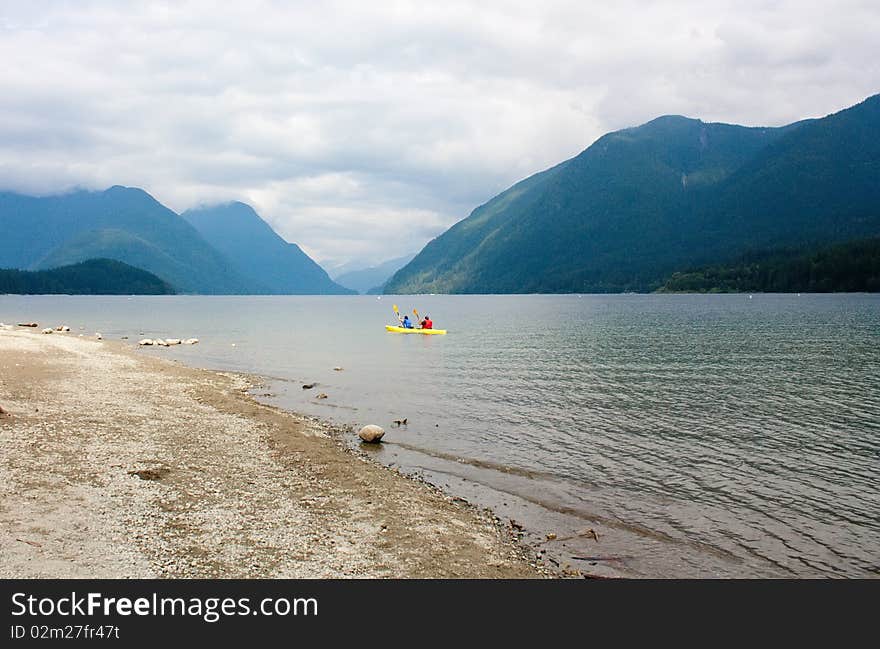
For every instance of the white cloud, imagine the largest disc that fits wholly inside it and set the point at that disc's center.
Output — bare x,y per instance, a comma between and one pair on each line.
363,129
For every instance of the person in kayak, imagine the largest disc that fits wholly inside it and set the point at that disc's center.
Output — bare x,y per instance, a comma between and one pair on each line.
426,322
406,324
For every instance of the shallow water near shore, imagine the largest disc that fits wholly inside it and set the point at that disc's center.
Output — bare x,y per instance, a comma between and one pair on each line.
698,436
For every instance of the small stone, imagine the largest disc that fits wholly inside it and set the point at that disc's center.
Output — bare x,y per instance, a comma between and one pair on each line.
551,536
321,395
309,386
371,433
337,369
149,474
47,330
146,341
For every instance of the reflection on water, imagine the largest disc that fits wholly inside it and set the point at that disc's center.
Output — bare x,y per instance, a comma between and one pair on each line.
699,435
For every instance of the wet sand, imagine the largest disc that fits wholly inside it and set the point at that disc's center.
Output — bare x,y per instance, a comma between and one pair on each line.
119,465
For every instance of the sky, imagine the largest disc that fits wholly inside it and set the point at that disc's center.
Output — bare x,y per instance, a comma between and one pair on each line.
361,130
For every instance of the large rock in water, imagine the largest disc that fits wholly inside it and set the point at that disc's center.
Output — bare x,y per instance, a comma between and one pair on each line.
371,433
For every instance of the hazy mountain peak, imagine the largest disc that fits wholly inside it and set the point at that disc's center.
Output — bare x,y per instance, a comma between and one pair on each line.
669,121
121,190
238,231
373,278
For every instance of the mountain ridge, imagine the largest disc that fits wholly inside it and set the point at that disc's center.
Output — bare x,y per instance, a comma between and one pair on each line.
258,252
371,280
52,230
641,202
131,226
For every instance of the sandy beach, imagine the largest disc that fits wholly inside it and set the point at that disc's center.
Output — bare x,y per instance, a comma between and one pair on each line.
119,465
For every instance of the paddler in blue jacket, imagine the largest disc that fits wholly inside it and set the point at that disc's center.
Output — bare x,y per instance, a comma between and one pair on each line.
406,323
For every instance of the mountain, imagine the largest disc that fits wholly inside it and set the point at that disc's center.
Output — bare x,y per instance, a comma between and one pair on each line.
121,223
674,193
373,279
841,267
92,277
258,253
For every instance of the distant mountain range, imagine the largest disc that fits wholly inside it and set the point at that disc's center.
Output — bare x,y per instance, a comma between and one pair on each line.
93,277
675,193
243,256
373,279
258,253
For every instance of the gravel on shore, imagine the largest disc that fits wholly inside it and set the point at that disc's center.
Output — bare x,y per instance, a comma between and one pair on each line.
117,465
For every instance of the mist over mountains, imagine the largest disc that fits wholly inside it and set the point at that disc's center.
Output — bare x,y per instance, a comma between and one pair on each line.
639,205
224,250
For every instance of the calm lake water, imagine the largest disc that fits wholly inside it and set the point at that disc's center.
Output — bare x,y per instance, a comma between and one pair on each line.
699,436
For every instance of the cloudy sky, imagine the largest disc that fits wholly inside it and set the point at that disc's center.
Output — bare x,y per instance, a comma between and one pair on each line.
361,130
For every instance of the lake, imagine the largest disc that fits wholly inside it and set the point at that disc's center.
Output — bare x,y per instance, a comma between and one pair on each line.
697,435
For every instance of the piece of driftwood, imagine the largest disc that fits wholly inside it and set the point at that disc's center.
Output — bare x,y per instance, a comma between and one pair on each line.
33,543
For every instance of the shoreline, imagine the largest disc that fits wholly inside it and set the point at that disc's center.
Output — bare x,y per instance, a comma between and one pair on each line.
542,540
125,465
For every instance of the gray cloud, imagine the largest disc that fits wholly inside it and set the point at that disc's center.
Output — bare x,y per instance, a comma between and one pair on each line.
364,129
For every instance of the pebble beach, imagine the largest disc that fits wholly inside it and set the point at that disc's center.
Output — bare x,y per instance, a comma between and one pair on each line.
119,465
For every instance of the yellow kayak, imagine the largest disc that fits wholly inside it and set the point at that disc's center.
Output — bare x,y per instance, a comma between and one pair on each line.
403,330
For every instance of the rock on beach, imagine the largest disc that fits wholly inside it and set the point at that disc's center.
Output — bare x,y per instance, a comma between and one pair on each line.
371,433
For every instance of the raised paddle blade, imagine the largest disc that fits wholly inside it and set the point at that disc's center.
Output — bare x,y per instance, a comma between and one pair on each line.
394,306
